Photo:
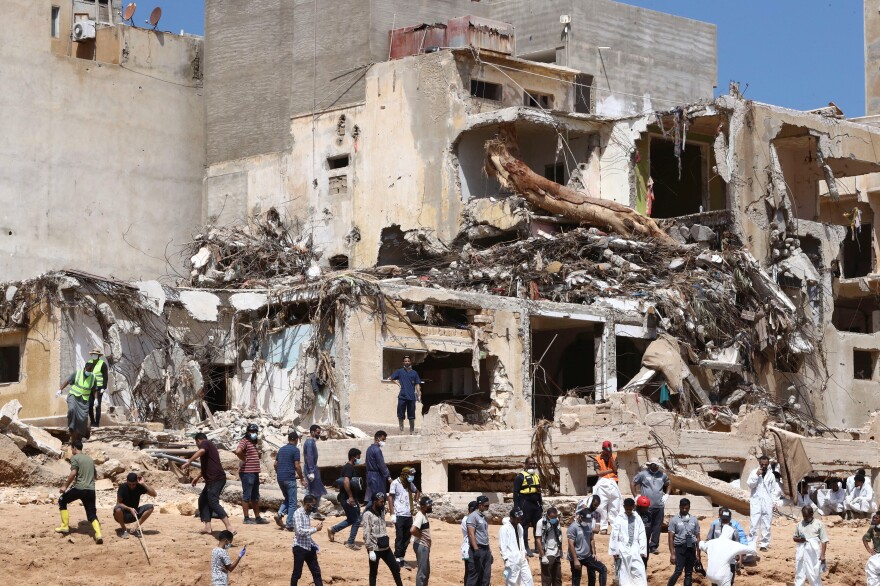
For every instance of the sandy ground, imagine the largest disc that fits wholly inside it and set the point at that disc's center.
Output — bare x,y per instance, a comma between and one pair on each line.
30,553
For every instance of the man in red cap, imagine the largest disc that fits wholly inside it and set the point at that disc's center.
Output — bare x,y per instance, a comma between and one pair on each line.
643,510
605,465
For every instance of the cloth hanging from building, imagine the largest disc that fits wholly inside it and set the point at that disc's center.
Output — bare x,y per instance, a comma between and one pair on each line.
663,355
793,461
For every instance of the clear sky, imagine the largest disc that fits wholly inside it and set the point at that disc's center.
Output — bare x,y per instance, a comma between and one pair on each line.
795,53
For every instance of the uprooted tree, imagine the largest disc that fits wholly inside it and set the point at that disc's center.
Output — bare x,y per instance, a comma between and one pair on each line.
502,162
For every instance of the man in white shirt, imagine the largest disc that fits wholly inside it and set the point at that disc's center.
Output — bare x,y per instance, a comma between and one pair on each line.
513,551
403,499
859,499
763,486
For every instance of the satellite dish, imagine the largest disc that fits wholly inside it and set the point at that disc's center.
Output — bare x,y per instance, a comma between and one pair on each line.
129,12
154,17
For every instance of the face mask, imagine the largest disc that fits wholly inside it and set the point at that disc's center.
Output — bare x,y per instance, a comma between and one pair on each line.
227,546
410,478
553,521
253,436
583,522
532,470
357,461
382,443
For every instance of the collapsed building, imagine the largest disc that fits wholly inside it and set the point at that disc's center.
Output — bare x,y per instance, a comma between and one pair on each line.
695,282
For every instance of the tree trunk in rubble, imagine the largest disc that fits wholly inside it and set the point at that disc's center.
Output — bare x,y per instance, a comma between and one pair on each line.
503,164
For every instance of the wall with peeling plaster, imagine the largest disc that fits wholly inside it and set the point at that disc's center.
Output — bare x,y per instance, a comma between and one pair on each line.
40,371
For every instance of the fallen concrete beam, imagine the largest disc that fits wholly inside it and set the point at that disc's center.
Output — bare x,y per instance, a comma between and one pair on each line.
721,493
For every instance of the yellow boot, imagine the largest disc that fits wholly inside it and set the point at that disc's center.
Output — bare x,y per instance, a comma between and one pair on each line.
96,525
65,523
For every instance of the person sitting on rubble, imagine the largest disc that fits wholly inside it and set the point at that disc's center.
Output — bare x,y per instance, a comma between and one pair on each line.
803,498
82,385
860,499
249,473
831,500
851,479
605,465
102,377
128,507
410,385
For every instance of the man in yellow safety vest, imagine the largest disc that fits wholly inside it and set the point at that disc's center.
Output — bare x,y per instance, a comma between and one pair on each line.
82,385
99,369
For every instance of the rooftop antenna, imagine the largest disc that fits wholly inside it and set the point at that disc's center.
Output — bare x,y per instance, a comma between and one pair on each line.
154,17
129,13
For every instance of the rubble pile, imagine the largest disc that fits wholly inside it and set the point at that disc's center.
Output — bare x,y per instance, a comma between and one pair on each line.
247,256
226,428
709,300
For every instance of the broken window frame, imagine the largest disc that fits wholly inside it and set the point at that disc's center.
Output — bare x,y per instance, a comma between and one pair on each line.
535,99
693,141
480,90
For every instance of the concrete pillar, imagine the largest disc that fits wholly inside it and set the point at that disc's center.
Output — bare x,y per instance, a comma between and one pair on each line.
872,57
435,476
573,472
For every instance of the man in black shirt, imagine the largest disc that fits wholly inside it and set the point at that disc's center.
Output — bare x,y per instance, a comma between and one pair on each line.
350,493
128,503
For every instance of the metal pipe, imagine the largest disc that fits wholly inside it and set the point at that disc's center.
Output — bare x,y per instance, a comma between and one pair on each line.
176,459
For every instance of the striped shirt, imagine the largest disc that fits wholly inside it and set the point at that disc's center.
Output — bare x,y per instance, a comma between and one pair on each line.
302,526
251,464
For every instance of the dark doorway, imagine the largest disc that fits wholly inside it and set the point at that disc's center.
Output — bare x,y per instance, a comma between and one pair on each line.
629,358
563,360
10,364
858,253
216,387
673,195
855,315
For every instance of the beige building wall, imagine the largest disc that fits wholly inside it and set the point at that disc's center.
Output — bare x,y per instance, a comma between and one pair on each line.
39,370
109,155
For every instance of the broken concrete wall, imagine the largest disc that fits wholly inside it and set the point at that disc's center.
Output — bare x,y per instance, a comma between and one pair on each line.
39,371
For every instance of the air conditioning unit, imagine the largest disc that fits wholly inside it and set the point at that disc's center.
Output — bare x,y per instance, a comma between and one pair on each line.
84,30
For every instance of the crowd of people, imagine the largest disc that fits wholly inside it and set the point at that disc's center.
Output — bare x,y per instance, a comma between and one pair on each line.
634,524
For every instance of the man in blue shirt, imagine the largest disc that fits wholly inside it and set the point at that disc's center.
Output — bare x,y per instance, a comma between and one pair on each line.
410,386
287,469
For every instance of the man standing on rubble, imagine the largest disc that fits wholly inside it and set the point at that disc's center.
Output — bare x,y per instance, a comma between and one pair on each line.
79,486
605,465
410,385
763,486
212,470
249,473
812,540
378,475
99,369
82,385
527,498
684,537
654,484
287,470
313,474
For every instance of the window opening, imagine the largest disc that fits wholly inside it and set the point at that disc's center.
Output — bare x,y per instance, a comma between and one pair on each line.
56,21
673,195
485,90
555,172
10,364
339,162
864,364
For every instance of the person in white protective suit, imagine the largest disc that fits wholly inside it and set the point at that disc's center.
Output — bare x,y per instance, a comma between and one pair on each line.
605,465
812,540
832,500
513,551
871,540
764,490
721,553
628,545
851,479
859,499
